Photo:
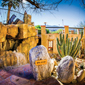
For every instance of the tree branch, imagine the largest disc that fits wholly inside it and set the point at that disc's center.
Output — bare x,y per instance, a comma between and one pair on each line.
83,3
43,5
33,3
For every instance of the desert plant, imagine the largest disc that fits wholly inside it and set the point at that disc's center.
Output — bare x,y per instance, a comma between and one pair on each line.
67,47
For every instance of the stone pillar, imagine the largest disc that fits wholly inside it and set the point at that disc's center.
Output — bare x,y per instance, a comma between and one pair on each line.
66,29
43,37
84,31
29,19
77,31
25,17
43,31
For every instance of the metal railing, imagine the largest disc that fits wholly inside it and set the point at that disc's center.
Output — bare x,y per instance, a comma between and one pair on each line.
70,28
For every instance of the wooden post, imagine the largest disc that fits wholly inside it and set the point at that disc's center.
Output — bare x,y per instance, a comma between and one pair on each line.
66,29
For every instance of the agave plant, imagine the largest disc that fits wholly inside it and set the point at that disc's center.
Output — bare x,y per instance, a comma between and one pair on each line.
68,47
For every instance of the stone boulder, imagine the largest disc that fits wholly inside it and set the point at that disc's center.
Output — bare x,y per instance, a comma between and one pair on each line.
43,71
10,58
66,69
21,59
74,81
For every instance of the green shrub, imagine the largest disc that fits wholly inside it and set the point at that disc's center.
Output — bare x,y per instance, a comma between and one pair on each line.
58,31
47,31
39,29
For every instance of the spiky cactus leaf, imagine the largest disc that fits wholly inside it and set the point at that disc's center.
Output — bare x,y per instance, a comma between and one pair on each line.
68,47
81,35
58,42
74,46
59,50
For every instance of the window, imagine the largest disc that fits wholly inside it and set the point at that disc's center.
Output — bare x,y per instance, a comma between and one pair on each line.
50,45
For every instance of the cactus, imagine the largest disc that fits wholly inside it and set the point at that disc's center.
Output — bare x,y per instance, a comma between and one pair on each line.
68,47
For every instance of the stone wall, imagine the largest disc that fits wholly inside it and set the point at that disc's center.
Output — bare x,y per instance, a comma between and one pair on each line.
19,37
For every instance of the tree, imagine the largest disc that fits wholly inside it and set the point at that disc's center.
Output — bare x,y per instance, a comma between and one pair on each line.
10,4
39,29
41,5
82,24
37,5
50,4
47,31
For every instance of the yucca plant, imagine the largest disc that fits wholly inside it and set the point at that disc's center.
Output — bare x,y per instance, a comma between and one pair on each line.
68,47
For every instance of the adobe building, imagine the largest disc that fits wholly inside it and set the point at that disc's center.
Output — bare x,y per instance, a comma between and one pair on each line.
50,42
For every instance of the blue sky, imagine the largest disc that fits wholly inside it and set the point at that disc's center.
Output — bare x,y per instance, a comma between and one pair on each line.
70,15
67,14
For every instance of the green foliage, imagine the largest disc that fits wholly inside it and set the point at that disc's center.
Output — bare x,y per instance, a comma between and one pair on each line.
68,47
47,31
10,4
82,24
39,31
58,31
13,3
38,27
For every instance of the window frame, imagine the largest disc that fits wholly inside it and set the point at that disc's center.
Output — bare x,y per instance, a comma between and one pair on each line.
49,47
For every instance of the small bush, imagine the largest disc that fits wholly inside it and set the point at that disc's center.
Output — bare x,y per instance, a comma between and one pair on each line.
58,31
